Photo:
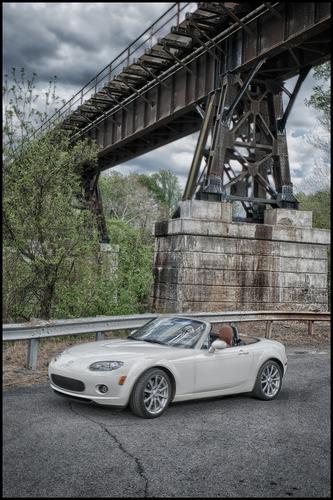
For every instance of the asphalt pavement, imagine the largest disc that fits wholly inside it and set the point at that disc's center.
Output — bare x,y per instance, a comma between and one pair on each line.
233,446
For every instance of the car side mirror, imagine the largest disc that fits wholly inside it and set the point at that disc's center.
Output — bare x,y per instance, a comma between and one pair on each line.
217,345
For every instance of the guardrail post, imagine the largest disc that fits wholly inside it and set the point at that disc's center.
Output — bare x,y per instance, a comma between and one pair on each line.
99,336
310,327
268,332
33,345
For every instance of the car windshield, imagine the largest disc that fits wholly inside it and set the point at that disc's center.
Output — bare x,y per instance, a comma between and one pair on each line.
175,332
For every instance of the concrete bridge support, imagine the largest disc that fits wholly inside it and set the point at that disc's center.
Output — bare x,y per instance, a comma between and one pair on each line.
206,262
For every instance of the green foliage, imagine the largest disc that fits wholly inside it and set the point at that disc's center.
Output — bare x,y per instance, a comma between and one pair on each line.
107,288
319,199
126,198
320,204
132,204
45,234
320,99
53,266
150,183
140,199
42,225
165,186
134,272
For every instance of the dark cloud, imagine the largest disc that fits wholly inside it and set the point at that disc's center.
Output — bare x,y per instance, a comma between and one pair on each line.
74,41
71,40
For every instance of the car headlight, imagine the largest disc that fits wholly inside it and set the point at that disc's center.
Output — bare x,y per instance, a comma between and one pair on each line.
105,366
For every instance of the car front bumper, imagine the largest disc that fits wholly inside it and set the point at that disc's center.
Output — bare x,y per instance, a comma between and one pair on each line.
117,395
101,400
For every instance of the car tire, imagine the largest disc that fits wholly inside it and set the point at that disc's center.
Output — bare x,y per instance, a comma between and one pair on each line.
269,381
151,394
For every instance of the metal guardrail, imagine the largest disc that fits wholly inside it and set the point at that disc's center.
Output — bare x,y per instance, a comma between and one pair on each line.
37,329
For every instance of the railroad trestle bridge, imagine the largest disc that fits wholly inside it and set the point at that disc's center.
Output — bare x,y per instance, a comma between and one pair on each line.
218,68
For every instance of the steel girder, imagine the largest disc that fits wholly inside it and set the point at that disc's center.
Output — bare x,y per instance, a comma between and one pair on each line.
92,200
244,145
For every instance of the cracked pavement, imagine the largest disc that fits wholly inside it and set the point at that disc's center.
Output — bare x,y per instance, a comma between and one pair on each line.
121,447
223,447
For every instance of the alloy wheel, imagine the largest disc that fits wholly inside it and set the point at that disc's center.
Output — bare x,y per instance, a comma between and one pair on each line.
270,380
155,394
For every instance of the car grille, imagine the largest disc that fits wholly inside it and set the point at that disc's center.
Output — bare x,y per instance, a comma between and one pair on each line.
68,383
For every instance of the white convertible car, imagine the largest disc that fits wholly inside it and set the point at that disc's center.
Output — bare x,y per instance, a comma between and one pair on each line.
169,359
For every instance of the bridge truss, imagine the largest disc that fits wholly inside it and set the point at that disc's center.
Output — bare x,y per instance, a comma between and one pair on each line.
217,67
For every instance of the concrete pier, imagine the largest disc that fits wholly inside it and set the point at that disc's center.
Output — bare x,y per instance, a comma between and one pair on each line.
206,262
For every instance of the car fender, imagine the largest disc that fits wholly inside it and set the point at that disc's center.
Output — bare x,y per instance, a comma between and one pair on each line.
141,366
264,356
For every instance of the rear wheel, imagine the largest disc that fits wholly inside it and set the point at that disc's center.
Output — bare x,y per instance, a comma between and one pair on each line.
269,381
151,394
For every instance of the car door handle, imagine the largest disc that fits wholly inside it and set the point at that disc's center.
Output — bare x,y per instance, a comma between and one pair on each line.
243,352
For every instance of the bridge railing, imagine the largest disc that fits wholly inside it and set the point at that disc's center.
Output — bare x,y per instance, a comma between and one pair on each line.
171,17
35,330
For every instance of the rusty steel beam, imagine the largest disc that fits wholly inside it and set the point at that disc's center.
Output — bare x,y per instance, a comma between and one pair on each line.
92,200
199,151
248,146
282,121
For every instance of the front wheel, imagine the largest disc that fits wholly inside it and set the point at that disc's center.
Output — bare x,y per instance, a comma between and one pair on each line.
269,381
151,394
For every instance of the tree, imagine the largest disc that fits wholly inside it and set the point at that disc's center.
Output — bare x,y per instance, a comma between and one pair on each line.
52,264
45,234
23,110
318,180
140,199
127,198
41,223
132,203
320,101
133,277
319,203
168,183
164,185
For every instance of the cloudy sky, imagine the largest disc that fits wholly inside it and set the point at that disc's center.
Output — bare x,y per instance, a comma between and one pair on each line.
74,41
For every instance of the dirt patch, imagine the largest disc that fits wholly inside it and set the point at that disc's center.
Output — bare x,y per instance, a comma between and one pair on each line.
15,353
291,334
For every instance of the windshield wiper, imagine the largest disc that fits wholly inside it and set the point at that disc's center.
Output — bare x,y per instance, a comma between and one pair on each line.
153,341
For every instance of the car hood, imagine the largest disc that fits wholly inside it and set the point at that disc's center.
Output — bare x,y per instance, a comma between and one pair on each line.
119,350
